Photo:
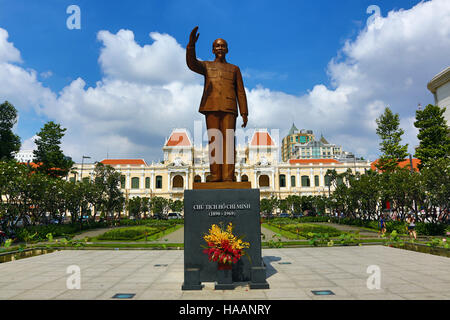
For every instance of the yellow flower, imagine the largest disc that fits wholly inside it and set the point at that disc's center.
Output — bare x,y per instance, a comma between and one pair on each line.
216,235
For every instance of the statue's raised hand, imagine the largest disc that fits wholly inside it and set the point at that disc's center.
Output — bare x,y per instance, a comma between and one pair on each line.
194,36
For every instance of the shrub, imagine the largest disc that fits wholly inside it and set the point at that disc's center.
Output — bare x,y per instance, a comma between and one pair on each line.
302,229
425,229
131,233
349,238
57,230
430,229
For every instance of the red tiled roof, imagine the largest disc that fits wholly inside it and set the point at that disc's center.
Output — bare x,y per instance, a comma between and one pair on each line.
262,139
178,139
402,164
131,162
307,161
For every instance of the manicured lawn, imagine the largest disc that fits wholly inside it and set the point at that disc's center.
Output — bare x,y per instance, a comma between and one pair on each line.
137,233
301,230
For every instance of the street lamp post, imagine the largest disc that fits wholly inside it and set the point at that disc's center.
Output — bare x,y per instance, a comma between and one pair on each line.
82,162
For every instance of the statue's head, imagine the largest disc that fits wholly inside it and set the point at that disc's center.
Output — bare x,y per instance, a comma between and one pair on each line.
220,48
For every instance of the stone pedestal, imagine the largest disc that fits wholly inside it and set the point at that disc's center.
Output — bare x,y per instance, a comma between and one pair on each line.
205,207
224,280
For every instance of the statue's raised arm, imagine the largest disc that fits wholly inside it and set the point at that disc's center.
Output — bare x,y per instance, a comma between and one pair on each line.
191,57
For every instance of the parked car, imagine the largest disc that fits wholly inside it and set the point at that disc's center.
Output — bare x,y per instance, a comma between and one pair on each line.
174,215
297,215
284,215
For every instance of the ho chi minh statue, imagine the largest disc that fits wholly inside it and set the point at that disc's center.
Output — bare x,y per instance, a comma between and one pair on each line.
223,91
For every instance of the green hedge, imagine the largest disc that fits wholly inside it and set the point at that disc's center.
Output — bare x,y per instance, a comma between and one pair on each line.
297,220
424,229
39,233
148,222
131,233
302,229
70,229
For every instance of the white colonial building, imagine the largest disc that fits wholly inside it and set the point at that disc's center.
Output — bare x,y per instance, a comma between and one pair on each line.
257,162
440,88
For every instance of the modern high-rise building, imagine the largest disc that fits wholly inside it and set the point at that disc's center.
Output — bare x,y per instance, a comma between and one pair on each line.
294,137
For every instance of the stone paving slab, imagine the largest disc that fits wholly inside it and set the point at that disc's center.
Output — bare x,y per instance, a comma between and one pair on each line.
405,275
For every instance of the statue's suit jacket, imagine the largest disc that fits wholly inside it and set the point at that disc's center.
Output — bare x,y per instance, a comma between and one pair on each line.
223,85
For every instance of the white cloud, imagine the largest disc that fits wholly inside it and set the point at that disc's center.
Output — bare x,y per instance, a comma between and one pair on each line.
8,53
46,74
29,144
162,62
148,90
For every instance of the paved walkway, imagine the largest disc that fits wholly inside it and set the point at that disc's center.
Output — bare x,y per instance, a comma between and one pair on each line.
158,274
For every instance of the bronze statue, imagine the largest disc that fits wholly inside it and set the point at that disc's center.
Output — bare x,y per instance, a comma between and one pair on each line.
223,90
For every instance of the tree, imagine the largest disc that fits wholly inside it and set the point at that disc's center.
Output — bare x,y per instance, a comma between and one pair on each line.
294,203
107,182
135,206
434,135
160,206
283,205
268,205
436,180
48,154
9,142
176,206
391,135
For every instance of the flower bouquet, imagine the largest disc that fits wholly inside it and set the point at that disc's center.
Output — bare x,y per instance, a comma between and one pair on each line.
223,246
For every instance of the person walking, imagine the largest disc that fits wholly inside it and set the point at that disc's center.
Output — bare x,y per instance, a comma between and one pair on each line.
382,225
411,220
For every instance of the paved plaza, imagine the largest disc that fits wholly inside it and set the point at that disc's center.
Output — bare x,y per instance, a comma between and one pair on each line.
291,272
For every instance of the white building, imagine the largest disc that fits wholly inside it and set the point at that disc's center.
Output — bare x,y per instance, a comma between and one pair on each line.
256,162
440,88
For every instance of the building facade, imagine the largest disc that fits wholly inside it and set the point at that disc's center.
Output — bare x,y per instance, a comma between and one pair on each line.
256,162
294,137
302,144
440,88
317,149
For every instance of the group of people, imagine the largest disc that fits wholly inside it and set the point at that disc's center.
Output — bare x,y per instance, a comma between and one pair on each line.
411,225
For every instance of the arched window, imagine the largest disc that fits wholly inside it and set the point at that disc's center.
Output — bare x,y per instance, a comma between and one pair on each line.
244,178
208,178
264,181
292,181
316,181
197,178
282,181
177,182
122,181
305,181
135,183
158,182
147,183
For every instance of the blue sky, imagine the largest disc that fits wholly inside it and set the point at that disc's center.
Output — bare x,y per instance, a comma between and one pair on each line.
284,47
